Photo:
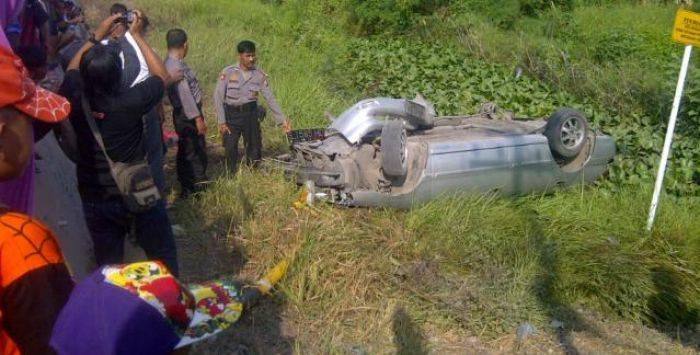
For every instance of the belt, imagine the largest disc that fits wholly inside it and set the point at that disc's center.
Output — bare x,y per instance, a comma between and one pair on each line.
247,107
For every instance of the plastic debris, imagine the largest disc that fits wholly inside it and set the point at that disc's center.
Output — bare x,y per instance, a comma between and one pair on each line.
525,330
358,350
308,196
556,324
178,230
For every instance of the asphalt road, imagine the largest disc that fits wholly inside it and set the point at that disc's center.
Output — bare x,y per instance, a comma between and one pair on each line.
57,204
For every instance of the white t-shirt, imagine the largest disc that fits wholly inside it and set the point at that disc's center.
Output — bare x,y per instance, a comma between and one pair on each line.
143,72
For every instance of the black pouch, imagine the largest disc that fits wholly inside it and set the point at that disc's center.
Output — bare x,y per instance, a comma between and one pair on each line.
261,113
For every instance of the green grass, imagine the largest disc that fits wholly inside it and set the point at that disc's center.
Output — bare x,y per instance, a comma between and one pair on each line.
457,267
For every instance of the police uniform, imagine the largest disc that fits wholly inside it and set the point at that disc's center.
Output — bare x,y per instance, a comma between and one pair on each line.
185,95
236,103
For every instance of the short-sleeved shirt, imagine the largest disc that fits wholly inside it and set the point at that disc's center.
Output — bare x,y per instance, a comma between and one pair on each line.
34,284
238,87
119,119
185,93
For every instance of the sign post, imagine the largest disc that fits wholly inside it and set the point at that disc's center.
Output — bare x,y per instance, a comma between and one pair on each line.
686,30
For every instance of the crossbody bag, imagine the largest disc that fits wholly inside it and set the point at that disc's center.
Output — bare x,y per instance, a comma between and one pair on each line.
134,180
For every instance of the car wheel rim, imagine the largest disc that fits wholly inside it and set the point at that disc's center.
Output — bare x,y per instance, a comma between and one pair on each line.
572,133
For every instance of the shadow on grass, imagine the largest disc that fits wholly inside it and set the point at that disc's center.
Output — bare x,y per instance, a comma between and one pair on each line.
408,337
258,331
671,314
556,309
666,304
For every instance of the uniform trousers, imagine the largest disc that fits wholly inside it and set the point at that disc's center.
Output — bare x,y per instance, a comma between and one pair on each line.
153,141
191,158
242,121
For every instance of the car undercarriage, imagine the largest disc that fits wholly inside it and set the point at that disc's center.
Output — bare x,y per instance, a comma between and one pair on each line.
397,153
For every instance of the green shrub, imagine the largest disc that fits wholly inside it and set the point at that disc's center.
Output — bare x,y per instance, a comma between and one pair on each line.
382,16
613,45
535,7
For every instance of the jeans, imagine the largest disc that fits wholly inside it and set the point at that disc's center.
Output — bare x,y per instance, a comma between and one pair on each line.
153,142
109,222
191,154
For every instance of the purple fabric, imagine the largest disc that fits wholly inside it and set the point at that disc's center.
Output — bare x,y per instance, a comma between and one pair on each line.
9,9
4,43
102,319
18,194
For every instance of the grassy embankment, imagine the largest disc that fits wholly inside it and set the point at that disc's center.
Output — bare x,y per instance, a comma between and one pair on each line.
458,267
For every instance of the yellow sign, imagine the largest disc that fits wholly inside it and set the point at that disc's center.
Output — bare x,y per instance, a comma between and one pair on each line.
686,28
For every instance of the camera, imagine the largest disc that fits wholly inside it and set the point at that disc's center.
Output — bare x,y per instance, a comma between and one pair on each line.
128,17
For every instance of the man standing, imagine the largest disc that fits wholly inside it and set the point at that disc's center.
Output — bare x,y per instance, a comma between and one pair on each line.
186,97
236,102
117,115
135,71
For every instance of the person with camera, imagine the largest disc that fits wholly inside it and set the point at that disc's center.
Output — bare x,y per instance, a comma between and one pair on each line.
135,70
237,110
116,187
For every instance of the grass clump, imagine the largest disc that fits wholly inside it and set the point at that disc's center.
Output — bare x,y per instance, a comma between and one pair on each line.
548,254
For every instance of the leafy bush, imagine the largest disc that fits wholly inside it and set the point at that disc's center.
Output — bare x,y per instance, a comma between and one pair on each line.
535,7
615,44
381,16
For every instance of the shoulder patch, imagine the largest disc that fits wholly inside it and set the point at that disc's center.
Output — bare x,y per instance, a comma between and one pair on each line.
226,71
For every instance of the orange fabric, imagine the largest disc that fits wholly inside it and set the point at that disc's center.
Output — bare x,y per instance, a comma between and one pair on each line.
19,90
25,245
7,346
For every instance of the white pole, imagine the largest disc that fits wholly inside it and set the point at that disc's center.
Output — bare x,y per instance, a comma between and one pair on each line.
669,137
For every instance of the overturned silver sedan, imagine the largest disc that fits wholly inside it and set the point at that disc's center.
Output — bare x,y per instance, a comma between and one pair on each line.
397,153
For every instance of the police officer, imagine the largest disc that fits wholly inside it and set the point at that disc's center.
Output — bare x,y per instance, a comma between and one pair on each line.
185,96
236,103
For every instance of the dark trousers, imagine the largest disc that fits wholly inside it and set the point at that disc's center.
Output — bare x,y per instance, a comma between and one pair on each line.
153,141
191,154
109,222
244,124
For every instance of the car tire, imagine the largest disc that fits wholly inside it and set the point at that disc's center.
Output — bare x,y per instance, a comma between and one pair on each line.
393,146
566,132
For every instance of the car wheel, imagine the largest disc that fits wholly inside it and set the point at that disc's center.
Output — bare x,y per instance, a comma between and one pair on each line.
393,146
566,131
